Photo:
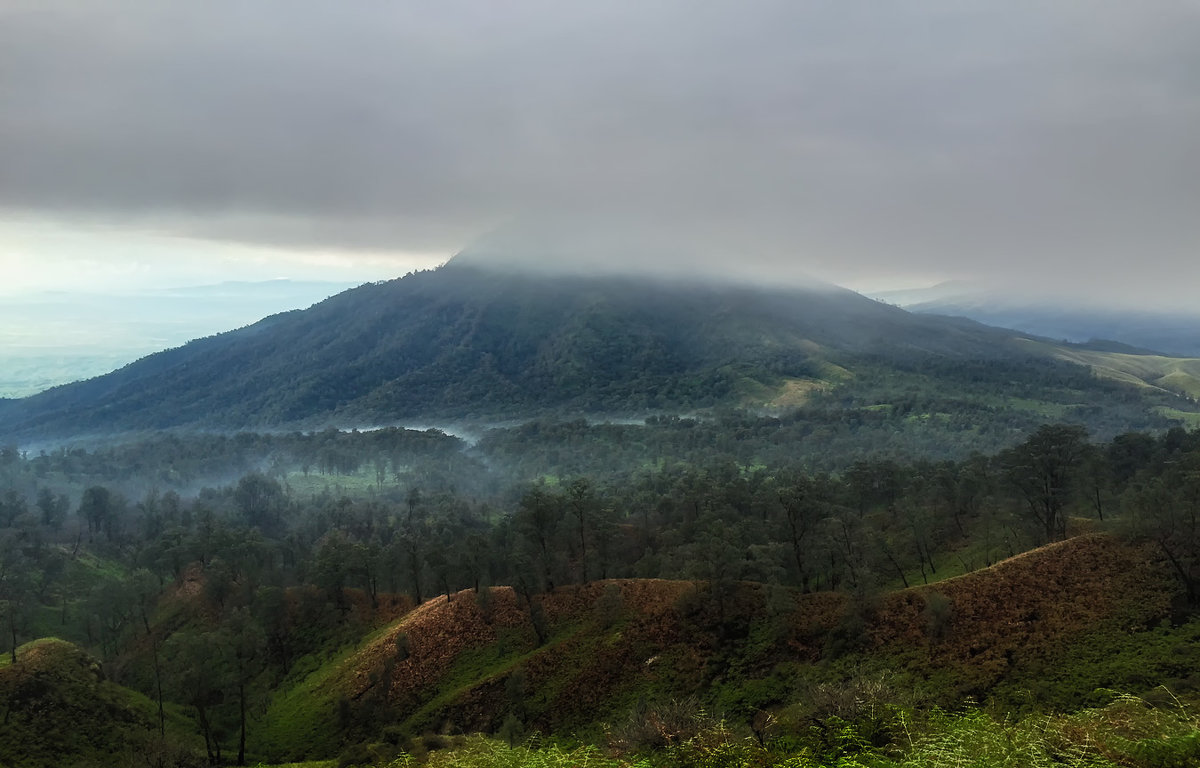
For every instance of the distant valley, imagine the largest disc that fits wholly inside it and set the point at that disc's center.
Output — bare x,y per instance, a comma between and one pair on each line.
1148,328
56,337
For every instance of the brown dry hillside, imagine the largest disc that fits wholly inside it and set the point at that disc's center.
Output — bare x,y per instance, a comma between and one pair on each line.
1026,608
604,635
467,663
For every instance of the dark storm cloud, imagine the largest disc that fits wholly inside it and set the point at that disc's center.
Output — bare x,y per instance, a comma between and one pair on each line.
1057,139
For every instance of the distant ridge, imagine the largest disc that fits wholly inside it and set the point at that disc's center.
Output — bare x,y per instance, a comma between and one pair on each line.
1167,332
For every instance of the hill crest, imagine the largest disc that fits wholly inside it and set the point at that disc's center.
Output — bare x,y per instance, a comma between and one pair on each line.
454,662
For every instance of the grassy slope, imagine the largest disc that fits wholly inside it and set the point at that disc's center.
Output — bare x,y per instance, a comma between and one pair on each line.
460,651
1006,624
1177,375
60,711
469,666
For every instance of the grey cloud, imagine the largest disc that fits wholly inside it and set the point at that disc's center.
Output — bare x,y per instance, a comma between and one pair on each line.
979,138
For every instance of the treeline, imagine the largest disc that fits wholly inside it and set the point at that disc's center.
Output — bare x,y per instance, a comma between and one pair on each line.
880,416
168,460
878,522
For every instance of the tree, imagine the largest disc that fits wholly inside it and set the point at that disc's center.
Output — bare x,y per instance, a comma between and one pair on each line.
1166,510
847,542
718,558
1041,470
410,546
471,554
962,488
802,503
246,641
12,507
1097,478
260,500
99,507
537,518
1128,454
200,672
874,483
16,590
335,560
581,501
271,610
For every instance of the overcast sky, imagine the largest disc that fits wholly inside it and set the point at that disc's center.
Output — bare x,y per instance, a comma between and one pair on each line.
875,143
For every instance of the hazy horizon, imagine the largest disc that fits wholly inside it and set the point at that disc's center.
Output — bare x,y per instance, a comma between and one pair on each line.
58,336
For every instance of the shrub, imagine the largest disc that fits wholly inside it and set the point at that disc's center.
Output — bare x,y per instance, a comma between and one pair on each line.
717,747
938,614
1131,731
512,730
356,755
867,705
609,606
651,727
489,753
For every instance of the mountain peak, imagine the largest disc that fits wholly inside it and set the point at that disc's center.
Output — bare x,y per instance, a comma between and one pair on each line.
631,247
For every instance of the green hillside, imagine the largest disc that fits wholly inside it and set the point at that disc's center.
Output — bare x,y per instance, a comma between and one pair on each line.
1177,375
880,613
472,662
695,658
470,342
60,711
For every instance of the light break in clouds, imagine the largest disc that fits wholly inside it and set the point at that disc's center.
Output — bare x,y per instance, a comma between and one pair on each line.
1051,143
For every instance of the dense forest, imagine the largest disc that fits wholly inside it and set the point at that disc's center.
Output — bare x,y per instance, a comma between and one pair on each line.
212,574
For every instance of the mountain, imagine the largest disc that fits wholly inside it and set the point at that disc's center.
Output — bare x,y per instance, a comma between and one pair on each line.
474,341
1174,333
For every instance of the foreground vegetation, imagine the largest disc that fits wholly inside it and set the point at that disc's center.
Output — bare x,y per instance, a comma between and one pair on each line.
684,606
1126,733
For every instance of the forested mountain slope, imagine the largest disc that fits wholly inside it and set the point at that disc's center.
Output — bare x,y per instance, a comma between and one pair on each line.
473,341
